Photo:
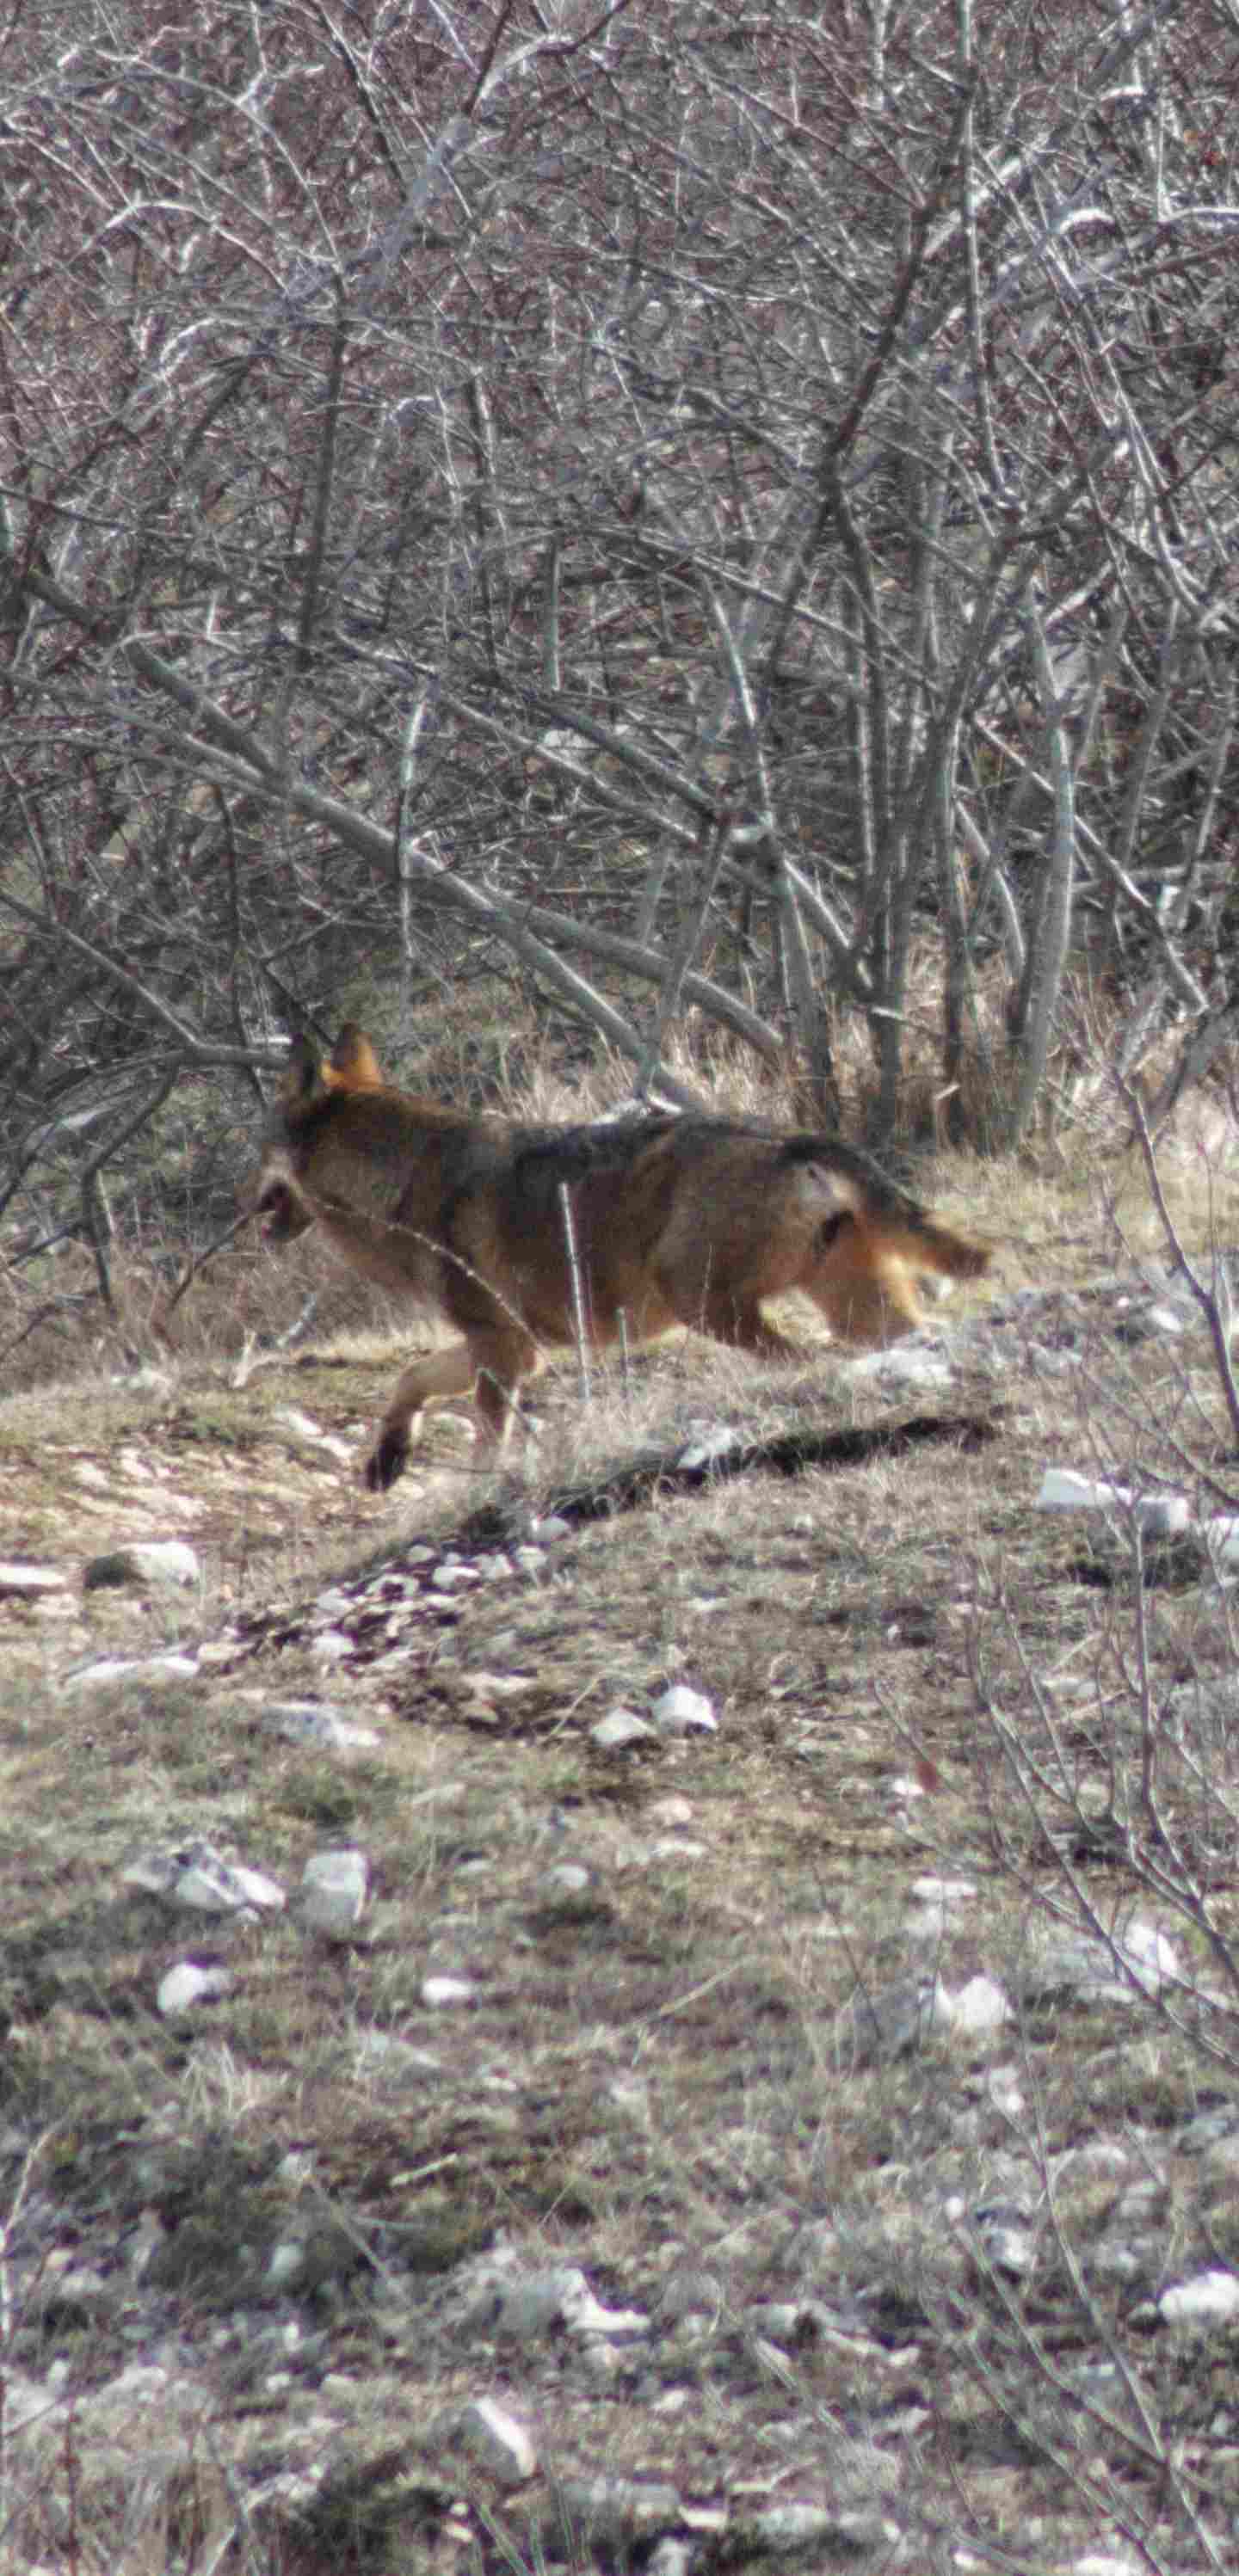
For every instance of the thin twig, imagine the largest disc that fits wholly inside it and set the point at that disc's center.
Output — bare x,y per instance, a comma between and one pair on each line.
579,1334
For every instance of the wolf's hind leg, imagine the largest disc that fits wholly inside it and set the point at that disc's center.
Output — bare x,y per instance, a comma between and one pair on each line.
428,1381
502,1358
740,1322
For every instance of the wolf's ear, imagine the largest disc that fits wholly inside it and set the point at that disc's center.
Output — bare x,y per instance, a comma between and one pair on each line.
354,1064
303,1081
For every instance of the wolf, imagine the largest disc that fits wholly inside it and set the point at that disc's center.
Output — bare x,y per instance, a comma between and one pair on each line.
525,1237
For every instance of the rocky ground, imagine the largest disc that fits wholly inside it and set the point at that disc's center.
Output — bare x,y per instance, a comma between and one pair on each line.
679,2018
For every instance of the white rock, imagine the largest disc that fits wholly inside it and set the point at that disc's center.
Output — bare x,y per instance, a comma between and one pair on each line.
1062,1490
107,1669
185,1985
583,2314
303,1426
28,1582
935,1901
332,1894
331,1646
444,1994
620,1727
567,1878
715,1440
903,1367
1222,1539
669,1814
1011,2249
306,1721
381,2053
681,1711
1150,1956
979,2006
787,2529
1208,2300
196,1876
531,2306
1159,1515
161,1561
498,2439
1164,1319
614,2512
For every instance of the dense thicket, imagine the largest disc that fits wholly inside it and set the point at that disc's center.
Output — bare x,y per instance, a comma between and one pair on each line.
728,507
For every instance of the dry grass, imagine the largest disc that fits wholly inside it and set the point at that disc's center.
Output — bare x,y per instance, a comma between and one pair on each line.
914,1673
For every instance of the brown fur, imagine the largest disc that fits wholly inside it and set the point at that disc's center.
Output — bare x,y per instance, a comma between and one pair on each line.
676,1220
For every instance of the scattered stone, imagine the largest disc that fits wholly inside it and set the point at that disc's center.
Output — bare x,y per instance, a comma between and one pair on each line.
715,1440
105,1670
1153,1960
1010,2248
331,1646
186,1985
1157,1515
903,1367
1209,2300
583,2314
671,2556
286,2264
317,1723
29,1582
943,1891
285,1417
620,1728
1221,1537
682,1711
669,1814
448,1577
935,1902
784,2530
567,1878
617,2513
1092,1971
195,1875
445,1994
979,2006
162,1562
491,2434
381,2053
497,1686
332,1895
